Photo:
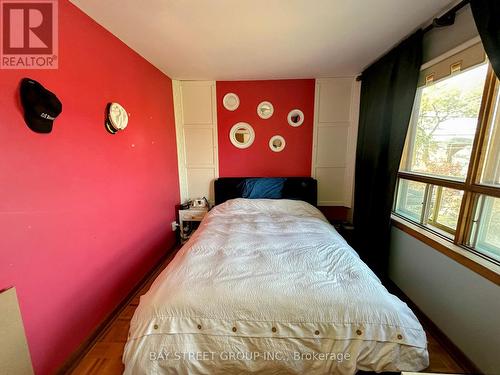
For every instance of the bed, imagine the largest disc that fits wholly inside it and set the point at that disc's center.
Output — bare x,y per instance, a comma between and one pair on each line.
268,286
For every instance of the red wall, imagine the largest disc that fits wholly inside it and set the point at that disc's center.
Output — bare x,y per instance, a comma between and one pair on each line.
258,159
83,213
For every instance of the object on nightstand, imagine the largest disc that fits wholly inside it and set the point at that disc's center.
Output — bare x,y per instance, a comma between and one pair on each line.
199,203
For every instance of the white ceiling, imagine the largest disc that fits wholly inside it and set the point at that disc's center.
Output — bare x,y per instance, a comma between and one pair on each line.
261,39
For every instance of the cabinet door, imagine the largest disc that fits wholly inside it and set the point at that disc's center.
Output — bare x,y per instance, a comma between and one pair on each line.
334,140
196,127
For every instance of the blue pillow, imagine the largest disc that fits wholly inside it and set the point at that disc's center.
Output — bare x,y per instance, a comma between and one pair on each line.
262,188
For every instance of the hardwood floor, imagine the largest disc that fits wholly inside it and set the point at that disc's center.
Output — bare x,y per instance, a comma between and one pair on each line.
105,357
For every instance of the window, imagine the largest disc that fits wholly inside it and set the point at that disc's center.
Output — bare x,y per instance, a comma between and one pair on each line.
449,177
485,235
444,124
490,173
410,198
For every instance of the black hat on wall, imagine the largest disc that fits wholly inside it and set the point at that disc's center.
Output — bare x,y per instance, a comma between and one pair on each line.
41,106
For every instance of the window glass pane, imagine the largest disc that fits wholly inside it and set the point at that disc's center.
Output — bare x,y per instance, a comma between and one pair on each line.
490,174
443,124
410,199
485,236
444,209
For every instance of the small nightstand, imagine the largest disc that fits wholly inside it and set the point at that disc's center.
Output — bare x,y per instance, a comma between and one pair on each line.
189,219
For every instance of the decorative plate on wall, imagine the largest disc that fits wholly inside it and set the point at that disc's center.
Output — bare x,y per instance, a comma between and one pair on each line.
116,118
242,135
277,143
231,101
295,117
265,110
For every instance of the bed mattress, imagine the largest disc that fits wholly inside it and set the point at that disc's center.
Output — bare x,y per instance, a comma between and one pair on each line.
269,287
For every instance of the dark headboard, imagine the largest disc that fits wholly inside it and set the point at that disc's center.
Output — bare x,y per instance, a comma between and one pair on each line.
300,188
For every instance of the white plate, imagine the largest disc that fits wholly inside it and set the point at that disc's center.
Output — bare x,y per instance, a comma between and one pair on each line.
277,143
265,110
295,117
231,101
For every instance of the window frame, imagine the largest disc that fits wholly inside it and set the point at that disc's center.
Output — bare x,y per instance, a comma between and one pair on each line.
471,187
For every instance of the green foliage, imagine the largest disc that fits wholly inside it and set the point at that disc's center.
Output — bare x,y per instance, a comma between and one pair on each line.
439,103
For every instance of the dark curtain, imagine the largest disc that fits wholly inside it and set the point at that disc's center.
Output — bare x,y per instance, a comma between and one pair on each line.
387,93
487,17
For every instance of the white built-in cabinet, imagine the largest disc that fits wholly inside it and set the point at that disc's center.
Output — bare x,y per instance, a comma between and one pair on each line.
195,110
336,112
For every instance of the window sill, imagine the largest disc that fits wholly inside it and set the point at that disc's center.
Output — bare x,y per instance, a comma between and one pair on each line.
466,258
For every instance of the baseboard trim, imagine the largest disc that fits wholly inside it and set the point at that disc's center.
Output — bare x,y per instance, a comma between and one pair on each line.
99,331
453,350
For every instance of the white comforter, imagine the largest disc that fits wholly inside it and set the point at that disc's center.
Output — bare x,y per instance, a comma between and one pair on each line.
268,286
